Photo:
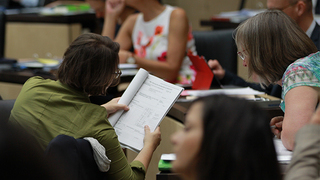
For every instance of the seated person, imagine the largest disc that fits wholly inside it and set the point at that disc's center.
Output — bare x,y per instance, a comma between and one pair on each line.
225,138
287,57
305,162
48,108
228,78
301,12
99,7
159,35
305,20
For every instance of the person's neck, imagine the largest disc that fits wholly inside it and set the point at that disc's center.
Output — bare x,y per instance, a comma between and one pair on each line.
150,9
124,15
305,21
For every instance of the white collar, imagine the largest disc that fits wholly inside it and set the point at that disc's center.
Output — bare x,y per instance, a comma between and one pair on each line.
311,27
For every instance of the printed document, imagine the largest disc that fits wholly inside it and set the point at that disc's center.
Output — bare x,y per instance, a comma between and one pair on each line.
149,99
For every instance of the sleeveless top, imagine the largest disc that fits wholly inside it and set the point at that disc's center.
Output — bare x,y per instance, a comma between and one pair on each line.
303,72
150,41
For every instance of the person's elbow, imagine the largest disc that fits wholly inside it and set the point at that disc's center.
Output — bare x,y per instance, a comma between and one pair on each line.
287,139
171,75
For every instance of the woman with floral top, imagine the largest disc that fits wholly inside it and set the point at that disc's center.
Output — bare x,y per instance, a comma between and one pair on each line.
160,36
274,48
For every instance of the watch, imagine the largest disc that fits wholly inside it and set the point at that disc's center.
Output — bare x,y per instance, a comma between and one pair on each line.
131,60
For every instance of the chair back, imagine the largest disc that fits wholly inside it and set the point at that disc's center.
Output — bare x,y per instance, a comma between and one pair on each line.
5,109
218,44
76,157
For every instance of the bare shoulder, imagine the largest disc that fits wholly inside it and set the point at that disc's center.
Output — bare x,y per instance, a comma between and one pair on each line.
129,22
178,14
133,17
178,23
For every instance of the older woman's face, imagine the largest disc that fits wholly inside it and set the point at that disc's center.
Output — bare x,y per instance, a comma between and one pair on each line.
187,142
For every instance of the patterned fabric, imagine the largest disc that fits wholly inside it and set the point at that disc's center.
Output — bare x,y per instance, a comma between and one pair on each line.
303,72
150,41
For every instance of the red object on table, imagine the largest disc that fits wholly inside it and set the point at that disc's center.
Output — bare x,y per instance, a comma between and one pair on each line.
204,74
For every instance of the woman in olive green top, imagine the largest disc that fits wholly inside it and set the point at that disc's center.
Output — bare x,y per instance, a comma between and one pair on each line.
47,108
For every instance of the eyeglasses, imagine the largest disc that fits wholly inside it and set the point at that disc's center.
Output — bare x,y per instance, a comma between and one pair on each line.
117,74
241,55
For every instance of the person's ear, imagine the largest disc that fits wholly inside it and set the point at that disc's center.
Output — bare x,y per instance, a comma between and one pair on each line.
300,8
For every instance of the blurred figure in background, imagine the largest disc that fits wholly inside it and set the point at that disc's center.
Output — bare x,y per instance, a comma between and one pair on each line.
298,10
159,35
99,6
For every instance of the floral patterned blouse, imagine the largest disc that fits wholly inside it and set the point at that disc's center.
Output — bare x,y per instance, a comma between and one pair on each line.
150,41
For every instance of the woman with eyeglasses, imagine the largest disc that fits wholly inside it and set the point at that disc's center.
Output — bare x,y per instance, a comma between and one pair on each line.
276,50
47,108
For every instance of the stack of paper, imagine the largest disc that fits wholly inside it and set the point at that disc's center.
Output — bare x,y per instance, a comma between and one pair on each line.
284,155
233,91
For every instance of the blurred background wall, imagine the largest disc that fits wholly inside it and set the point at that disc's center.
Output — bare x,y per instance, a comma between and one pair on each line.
204,9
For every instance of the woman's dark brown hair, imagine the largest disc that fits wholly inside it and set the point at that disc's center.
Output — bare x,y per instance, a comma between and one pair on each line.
90,64
237,141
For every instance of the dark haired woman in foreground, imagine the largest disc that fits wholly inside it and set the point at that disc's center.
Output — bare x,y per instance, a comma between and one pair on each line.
48,108
225,138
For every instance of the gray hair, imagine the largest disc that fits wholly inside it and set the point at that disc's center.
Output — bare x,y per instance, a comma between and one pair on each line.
272,41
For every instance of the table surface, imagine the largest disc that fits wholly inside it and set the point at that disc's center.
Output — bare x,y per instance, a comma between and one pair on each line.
35,17
20,77
87,20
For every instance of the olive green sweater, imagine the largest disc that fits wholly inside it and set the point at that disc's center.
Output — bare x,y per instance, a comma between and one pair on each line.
47,108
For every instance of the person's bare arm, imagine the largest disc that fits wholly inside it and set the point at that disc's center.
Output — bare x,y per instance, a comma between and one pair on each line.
300,105
125,33
113,10
151,142
305,162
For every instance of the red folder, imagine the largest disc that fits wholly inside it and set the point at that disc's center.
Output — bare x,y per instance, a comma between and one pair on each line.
204,74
